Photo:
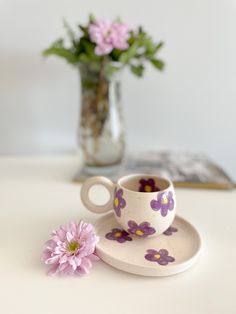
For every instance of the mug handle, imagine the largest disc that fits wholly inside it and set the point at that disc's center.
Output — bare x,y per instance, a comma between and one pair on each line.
84,193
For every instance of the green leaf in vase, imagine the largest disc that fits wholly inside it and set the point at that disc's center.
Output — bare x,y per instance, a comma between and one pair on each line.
57,49
157,63
137,69
111,69
129,53
88,48
84,31
69,31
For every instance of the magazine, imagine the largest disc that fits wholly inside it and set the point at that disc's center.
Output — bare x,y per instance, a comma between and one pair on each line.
194,170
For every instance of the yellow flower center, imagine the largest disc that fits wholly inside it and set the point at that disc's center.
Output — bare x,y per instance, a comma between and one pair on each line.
116,201
73,246
139,232
118,234
148,188
157,256
164,200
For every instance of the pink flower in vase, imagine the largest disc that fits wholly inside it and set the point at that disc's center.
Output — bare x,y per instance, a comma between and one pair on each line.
70,251
108,35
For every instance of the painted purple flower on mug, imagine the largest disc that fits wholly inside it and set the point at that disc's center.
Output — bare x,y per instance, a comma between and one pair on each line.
143,230
164,202
161,257
119,202
148,185
170,231
118,235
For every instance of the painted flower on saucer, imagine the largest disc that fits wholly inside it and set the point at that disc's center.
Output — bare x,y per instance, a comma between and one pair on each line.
148,185
170,231
161,257
142,230
164,203
119,202
118,235
70,251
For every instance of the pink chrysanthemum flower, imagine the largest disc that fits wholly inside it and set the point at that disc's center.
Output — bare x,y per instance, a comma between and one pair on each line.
71,249
108,35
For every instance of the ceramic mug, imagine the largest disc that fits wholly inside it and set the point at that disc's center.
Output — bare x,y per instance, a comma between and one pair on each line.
144,205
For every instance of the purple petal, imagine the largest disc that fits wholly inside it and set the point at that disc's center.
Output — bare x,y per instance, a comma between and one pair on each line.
171,204
149,230
170,230
167,233
117,211
121,240
163,252
156,205
159,196
132,224
144,225
116,230
150,257
128,238
162,261
164,211
165,206
142,181
151,182
151,251
124,233
109,236
119,193
170,259
132,230
122,203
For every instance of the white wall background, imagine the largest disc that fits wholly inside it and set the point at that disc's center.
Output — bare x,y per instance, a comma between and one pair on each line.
191,106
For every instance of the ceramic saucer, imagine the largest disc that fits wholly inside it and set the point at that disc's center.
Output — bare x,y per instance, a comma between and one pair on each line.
170,253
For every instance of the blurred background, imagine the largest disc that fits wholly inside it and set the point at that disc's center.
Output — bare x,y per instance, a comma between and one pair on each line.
191,106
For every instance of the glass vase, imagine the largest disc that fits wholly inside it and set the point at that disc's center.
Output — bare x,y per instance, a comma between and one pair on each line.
101,129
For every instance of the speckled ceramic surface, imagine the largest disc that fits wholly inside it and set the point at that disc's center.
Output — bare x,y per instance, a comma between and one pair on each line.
174,251
143,205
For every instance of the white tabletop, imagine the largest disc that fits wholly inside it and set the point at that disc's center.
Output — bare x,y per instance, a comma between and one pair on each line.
37,195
